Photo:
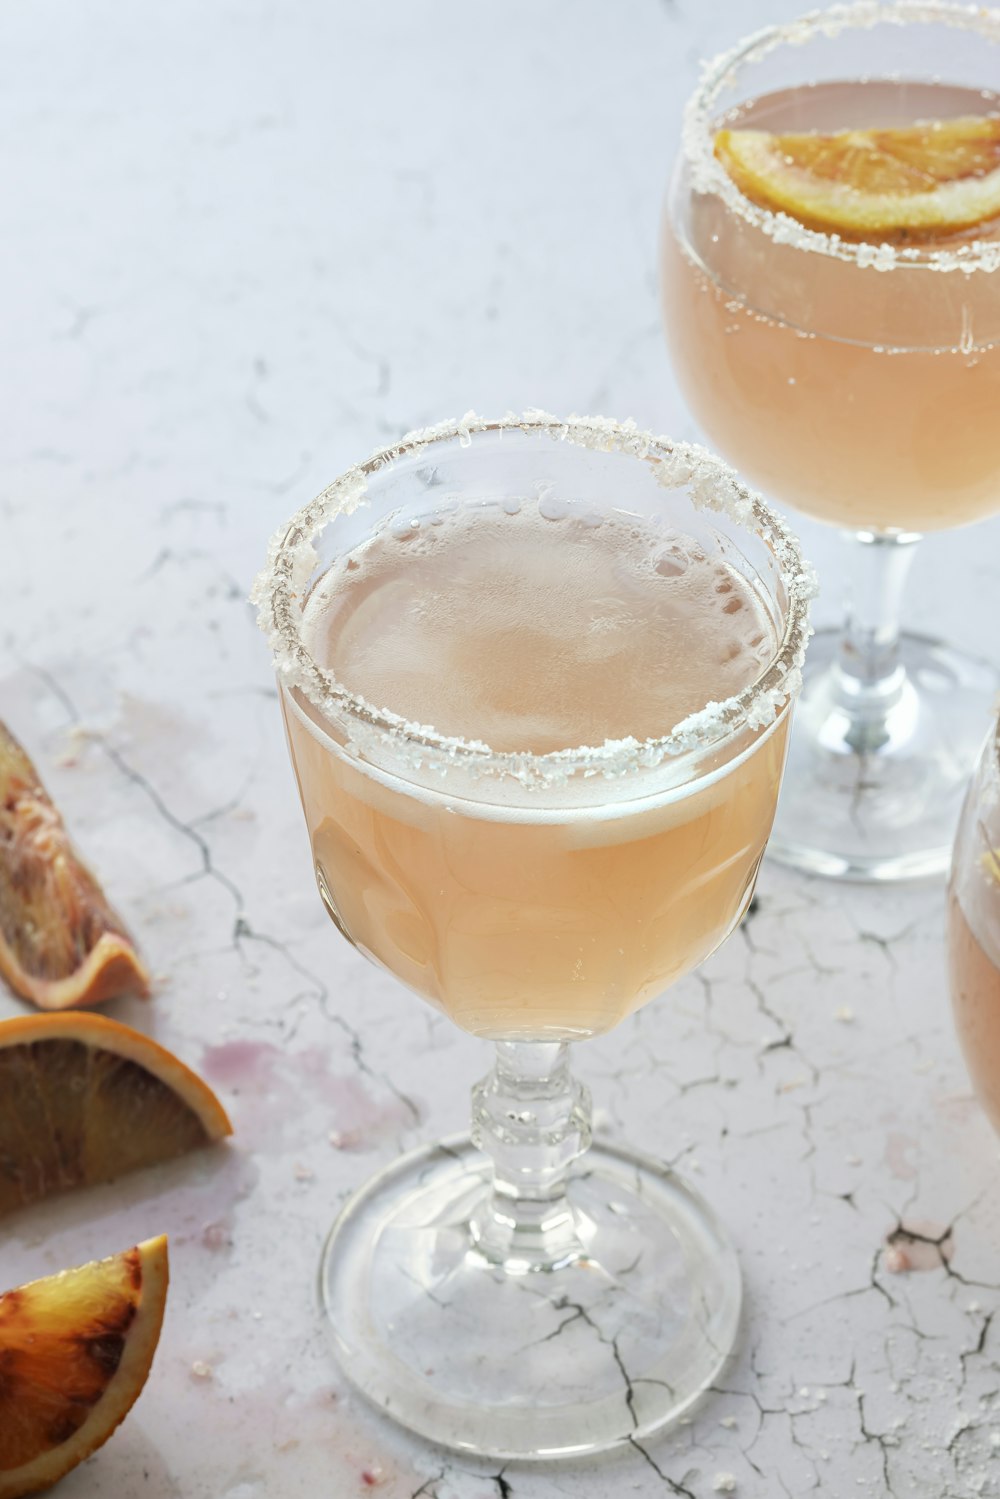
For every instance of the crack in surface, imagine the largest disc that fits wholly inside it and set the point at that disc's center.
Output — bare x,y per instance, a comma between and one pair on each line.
672,1484
428,1489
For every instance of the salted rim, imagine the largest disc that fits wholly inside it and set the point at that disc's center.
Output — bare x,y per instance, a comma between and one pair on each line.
713,486
709,175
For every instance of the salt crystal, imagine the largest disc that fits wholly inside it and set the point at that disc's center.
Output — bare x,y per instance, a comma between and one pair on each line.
724,1483
844,1013
201,1370
215,1236
729,1421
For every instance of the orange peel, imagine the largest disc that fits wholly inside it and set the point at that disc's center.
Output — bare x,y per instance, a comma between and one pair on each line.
84,1099
925,181
61,943
75,1352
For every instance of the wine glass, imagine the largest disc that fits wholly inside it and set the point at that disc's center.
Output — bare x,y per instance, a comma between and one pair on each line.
859,383
974,928
495,1293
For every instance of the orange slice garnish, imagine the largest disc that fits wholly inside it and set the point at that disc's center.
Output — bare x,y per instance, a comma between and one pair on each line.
926,181
75,1351
84,1100
61,944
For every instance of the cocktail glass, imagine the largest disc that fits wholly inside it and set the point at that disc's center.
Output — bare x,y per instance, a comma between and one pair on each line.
974,929
496,1292
859,383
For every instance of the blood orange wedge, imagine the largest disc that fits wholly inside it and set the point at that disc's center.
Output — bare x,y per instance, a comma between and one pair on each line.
84,1099
61,944
922,182
75,1351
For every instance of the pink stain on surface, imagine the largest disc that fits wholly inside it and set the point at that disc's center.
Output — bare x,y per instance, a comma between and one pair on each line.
357,1116
241,1064
270,1087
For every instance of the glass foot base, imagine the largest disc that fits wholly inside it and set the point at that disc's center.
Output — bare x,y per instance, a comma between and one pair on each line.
880,800
545,1363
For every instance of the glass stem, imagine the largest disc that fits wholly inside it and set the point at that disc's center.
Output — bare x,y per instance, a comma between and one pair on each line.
872,679
533,1118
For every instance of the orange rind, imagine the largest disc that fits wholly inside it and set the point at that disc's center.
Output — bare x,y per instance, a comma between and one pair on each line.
75,1352
927,181
84,1099
61,944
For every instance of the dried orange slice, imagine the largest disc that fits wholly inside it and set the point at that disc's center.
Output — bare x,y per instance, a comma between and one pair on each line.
61,944
84,1099
922,182
75,1352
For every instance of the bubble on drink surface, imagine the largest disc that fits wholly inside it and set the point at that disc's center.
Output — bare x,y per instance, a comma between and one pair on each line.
671,564
551,507
511,505
404,527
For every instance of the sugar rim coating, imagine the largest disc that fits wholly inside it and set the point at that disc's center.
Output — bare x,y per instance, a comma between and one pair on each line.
712,484
708,175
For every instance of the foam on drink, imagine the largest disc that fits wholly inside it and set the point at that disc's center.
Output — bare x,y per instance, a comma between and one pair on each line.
544,629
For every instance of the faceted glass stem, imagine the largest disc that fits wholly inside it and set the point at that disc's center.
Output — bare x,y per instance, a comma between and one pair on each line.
871,679
532,1117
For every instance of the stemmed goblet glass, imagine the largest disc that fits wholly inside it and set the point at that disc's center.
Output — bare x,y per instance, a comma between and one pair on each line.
974,928
858,382
526,1292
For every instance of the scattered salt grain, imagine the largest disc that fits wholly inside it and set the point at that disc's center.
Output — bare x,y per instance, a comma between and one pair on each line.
844,1014
343,1139
724,1483
201,1370
215,1236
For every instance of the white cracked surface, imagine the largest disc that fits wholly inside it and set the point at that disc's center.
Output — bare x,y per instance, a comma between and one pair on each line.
242,244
